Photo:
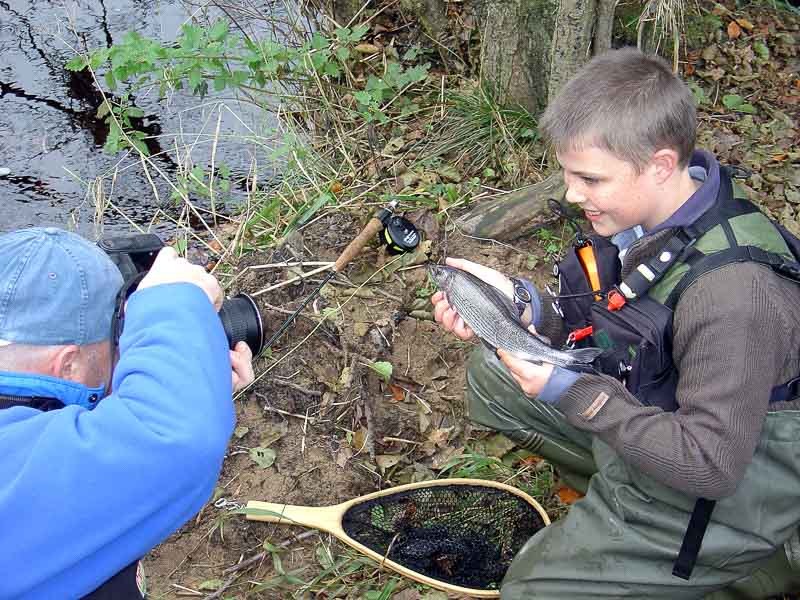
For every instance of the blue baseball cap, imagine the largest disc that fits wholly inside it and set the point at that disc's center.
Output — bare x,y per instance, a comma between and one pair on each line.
56,288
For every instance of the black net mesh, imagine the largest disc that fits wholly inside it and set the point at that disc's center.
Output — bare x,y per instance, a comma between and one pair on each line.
465,535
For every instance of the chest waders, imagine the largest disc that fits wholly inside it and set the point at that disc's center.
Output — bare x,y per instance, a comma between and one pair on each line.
123,585
632,319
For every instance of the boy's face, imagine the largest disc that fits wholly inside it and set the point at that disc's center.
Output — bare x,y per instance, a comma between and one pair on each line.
609,191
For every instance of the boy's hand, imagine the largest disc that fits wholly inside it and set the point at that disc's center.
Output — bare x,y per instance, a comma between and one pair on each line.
241,366
531,377
446,314
168,267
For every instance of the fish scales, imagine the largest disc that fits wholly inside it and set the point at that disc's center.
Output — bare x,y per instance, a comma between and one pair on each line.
495,320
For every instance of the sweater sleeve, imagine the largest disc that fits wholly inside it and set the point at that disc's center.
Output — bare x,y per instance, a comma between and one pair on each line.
85,493
729,341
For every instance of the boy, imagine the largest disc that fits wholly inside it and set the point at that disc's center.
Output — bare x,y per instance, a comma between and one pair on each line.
693,414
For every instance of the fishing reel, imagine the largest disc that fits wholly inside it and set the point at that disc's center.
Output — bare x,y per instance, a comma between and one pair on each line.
399,234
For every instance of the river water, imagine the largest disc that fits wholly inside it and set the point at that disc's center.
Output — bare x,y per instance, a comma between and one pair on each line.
51,141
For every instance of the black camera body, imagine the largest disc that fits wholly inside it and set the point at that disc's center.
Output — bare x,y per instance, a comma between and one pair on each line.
134,256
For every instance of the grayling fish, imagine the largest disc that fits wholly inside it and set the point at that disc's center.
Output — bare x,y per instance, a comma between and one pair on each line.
495,319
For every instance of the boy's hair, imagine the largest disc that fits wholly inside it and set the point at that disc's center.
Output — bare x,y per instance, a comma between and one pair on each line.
627,103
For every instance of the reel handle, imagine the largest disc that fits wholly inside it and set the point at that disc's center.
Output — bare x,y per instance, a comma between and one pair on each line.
372,229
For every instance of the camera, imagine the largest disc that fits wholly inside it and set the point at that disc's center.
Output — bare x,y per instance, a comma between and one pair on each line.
134,256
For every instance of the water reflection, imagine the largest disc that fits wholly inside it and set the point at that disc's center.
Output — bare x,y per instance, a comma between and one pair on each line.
50,137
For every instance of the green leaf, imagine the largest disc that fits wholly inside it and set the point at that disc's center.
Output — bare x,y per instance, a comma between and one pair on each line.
761,49
134,112
220,81
219,30
332,69
732,101
318,42
363,97
191,37
358,32
78,63
411,53
324,557
195,77
321,201
210,584
342,53
263,457
382,368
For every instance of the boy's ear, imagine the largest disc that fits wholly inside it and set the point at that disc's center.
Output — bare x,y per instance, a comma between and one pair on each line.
663,164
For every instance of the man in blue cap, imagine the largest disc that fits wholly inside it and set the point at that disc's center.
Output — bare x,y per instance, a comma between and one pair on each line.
88,487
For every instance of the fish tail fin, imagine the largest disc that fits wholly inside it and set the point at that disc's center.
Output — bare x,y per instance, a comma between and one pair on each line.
585,355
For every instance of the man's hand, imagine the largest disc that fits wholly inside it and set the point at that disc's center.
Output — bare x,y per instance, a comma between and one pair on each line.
446,314
531,377
242,366
168,267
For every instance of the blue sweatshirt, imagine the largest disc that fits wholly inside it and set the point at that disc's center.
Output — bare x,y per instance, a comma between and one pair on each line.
83,493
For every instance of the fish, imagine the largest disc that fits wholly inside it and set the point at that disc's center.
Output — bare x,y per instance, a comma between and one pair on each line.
495,320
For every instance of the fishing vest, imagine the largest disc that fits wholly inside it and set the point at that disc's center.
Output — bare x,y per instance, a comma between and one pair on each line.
631,319
128,583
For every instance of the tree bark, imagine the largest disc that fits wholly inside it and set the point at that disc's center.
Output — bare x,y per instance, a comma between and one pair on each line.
572,41
515,50
515,213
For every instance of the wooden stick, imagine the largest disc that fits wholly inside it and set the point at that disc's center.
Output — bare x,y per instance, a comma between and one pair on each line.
325,267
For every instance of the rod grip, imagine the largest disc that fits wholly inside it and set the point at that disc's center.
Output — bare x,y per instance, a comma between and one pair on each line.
353,248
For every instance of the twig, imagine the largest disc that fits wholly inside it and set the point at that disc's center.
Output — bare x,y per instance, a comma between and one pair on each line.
252,560
293,279
294,386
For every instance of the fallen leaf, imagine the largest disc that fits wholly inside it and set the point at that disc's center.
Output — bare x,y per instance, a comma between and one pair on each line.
497,445
367,49
398,393
263,457
745,24
336,187
387,461
343,456
734,31
241,431
530,461
568,496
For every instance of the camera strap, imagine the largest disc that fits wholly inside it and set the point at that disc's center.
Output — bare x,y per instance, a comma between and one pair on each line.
118,318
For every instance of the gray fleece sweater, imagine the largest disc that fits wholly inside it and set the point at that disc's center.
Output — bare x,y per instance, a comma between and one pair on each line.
736,336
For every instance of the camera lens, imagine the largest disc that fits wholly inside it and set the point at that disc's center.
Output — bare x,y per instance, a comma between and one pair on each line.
242,322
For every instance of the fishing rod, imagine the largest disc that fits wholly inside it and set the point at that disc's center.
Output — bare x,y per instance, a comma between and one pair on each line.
399,235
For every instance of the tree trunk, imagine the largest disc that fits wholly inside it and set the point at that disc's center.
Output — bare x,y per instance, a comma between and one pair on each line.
572,41
515,213
515,50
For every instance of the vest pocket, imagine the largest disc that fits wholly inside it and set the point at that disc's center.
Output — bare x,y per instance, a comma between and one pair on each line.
637,349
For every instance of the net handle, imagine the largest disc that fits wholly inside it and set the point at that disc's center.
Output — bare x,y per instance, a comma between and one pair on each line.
326,518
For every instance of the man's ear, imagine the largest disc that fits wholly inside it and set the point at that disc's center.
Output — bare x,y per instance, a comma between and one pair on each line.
663,164
65,363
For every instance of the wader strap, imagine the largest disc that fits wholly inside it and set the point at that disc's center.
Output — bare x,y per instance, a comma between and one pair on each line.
647,274
693,538
722,258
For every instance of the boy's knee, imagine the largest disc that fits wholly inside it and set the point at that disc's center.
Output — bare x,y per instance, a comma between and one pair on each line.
486,383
